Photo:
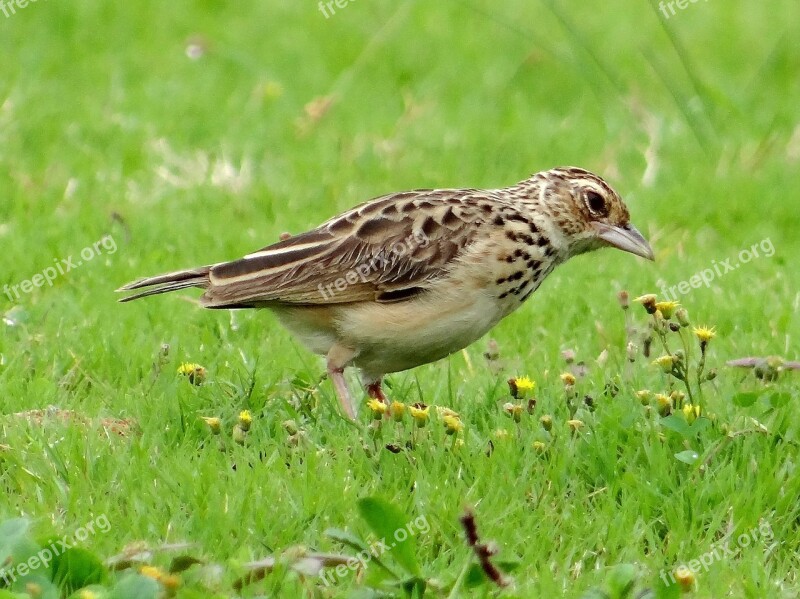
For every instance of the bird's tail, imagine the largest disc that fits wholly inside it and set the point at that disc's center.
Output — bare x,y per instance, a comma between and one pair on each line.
182,279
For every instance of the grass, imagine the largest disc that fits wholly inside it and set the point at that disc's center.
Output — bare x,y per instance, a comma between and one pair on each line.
109,127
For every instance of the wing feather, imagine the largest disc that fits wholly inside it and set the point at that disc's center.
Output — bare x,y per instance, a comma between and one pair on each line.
387,249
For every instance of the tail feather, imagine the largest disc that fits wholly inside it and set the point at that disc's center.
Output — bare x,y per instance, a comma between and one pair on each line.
182,279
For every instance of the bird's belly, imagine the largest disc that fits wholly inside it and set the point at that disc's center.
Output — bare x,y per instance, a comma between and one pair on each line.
397,336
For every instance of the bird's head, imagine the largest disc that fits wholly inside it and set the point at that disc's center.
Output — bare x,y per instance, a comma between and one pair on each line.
588,212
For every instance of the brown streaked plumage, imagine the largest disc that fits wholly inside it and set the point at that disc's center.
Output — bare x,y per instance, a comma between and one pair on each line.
411,277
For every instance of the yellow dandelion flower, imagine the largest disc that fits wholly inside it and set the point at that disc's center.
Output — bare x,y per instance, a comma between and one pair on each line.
171,582
567,378
420,413
397,410
691,413
644,396
215,424
665,362
664,404
245,420
648,301
378,408
667,309
152,572
704,334
194,372
575,425
444,412
452,424
539,446
521,386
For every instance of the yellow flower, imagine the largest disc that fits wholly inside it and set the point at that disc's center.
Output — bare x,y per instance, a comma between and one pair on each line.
575,425
513,410
151,572
567,378
501,433
444,412
195,372
664,404
547,422
648,301
667,309
171,582
691,412
245,420
215,424
452,424
704,334
420,413
644,396
665,362
397,410
378,408
539,446
521,386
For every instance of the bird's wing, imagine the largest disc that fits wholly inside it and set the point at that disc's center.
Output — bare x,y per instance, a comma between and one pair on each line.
387,249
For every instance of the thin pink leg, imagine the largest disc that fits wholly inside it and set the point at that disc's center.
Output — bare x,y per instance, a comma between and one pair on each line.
337,358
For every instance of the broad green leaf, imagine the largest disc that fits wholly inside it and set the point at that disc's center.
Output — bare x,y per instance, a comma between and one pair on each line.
779,400
475,577
11,532
390,525
665,588
745,399
46,589
346,538
98,592
699,425
135,586
678,424
77,568
621,580
688,456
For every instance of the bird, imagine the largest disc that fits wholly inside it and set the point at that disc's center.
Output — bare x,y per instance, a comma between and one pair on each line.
408,278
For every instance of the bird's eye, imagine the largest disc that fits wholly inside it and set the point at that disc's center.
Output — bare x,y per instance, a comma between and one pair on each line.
596,203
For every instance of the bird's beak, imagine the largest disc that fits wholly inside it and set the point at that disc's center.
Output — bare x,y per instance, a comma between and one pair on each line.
627,239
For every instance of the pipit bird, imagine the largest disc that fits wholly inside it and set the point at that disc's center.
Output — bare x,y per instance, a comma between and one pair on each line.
408,278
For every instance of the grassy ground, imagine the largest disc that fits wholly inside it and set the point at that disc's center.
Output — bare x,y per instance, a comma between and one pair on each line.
192,132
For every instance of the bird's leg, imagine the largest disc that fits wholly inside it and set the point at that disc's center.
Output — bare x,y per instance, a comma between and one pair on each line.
337,359
375,391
